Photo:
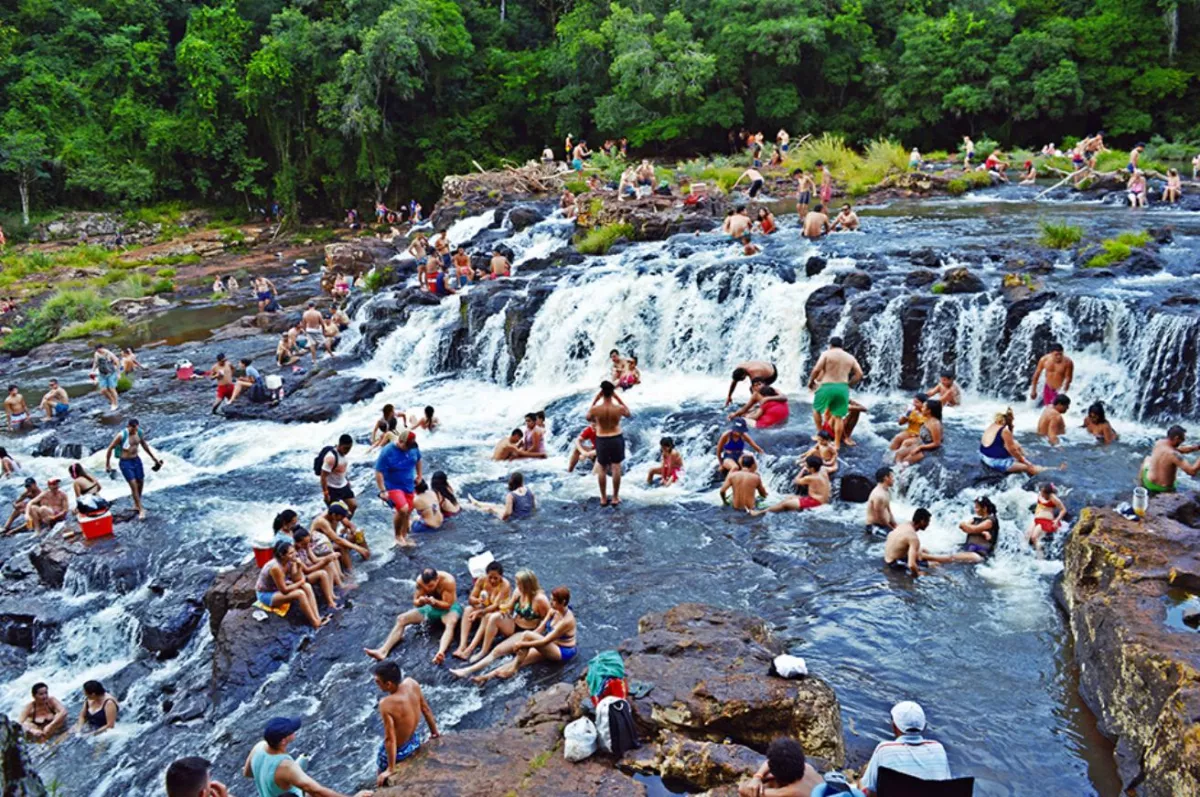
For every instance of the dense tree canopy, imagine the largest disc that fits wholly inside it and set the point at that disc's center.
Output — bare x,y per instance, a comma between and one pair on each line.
321,104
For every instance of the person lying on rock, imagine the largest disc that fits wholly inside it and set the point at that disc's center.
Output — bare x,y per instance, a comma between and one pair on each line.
552,641
400,711
435,598
785,773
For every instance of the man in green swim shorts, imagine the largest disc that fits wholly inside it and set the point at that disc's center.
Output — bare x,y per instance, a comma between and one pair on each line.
435,598
836,370
1159,470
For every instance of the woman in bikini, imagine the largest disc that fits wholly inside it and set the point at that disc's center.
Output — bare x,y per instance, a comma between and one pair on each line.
767,407
982,530
526,611
44,716
928,440
99,712
83,482
1097,425
441,486
555,642
1047,517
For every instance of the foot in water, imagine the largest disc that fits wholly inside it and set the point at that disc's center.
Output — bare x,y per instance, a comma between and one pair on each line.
141,514
461,672
375,654
439,659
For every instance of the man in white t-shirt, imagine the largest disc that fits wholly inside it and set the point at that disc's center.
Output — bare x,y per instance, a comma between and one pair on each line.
909,753
334,484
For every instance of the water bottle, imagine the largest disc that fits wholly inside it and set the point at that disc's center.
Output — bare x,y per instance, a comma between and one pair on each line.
1141,501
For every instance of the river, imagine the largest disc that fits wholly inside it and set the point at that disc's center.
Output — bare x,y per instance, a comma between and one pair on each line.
983,648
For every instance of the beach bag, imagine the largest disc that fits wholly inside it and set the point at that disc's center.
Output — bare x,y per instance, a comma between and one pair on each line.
615,731
579,740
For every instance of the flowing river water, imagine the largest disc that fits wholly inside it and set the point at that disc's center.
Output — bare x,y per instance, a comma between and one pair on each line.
983,648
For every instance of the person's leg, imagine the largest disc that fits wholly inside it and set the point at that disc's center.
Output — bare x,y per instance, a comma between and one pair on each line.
899,440
135,487
322,579
450,621
503,649
574,460
653,472
523,659
495,624
300,598
616,477
403,621
351,504
602,479
786,505
464,632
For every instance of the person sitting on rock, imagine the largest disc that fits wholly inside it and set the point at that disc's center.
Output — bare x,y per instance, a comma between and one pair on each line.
341,532
48,508
21,505
275,772
56,402
946,390
435,599
488,595
1173,190
553,641
275,587
400,711
44,716
910,753
500,265
785,773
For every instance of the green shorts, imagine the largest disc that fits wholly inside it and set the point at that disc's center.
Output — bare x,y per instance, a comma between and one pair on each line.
432,613
1154,487
833,396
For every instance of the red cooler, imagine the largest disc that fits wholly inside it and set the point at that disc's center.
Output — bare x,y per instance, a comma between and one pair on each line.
263,554
96,526
185,373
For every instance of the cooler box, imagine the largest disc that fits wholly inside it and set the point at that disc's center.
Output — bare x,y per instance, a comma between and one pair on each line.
185,373
96,526
262,555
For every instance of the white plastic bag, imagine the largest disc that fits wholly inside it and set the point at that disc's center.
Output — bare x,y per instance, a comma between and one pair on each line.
477,565
603,733
580,739
790,666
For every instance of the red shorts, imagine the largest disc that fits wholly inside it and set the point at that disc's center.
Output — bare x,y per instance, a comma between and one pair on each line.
808,502
400,500
1048,525
225,391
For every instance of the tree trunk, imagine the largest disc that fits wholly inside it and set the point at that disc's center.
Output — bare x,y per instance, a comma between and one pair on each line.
23,187
502,10
1171,20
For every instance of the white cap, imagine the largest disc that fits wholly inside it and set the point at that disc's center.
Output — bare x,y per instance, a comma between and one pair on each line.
908,717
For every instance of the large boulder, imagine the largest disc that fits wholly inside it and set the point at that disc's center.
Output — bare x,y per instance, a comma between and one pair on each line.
1139,673
17,775
961,280
822,311
357,255
319,395
523,216
168,624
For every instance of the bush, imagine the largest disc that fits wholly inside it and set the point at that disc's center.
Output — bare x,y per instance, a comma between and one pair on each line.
124,383
576,186
165,213
599,240
377,279
957,186
1159,148
1117,250
609,168
30,335
163,285
106,322
1059,236
165,273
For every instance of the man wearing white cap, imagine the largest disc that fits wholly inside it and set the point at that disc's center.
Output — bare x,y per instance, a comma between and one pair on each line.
910,753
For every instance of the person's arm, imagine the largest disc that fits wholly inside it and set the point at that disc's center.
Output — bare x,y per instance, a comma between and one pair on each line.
725,487
26,718
146,446
1010,445
389,746
279,577
508,507
983,527
856,373
1069,375
326,469
428,714
1062,509
762,488
732,386
749,405
1051,435
60,712
914,550
290,775
753,444
110,715
1037,372
817,372
474,599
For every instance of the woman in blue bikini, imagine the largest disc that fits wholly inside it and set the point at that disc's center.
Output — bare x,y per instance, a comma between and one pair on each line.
553,641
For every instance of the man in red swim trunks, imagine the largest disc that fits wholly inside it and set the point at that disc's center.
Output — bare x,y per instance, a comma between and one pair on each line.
1059,370
223,373
812,483
396,473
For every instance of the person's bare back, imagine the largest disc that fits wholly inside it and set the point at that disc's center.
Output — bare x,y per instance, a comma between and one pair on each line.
816,224
836,366
312,319
607,414
903,546
879,508
745,486
1051,424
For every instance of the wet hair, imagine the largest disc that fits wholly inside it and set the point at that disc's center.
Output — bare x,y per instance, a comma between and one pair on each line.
797,171
947,373
882,474
607,388
747,461
516,433
389,409
834,342
934,408
429,575
739,374
420,487
441,485
921,397
1046,488
280,549
494,567
614,351
527,583
1056,347
1097,409
284,517
767,390
76,471
814,462
429,412
516,479
530,416
11,388
1063,400
3,452
541,414
246,361
301,534
187,776
345,440
561,595
1176,431
666,442
819,163
785,761
818,208
987,504
825,434
388,672
633,359
93,688
36,687
921,516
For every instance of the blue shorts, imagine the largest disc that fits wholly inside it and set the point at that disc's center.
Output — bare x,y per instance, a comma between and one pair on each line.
1001,464
406,751
264,296
577,165
107,381
420,527
61,409
132,469
567,653
1129,167
265,598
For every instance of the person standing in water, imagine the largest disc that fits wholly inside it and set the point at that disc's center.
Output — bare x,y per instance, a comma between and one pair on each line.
106,368
1160,469
983,532
826,183
836,370
804,191
222,371
815,223
1059,371
946,390
607,410
129,441
1097,425
16,410
396,472
879,503
400,711
1047,517
759,372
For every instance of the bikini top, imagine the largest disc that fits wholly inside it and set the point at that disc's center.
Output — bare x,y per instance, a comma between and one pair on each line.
527,613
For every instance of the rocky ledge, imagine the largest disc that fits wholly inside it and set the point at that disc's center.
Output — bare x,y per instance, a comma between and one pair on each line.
711,709
1124,582
17,778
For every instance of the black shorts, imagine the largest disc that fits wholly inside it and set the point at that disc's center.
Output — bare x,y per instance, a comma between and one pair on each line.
340,493
610,450
755,187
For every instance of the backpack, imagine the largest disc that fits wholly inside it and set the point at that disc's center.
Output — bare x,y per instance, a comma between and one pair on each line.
319,462
615,731
259,393
104,366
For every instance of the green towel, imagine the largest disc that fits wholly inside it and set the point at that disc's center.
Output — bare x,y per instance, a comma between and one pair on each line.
603,666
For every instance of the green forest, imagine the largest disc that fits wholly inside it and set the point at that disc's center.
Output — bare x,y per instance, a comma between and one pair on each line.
324,104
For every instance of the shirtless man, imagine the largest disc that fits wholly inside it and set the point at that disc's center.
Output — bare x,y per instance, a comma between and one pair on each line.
804,191
1160,469
903,551
946,390
500,265
314,330
846,220
756,181
509,447
16,410
47,508
836,370
879,504
331,523
1059,370
434,598
746,485
21,505
759,372
813,485
400,711
815,223
55,403
222,371
584,446
1053,422
264,293
129,442
607,410
737,225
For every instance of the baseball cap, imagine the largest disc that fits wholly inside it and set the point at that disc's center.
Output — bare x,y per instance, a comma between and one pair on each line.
738,425
339,508
908,717
279,728
54,480
30,481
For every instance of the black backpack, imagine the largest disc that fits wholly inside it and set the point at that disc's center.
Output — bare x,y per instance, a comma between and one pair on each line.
622,732
319,462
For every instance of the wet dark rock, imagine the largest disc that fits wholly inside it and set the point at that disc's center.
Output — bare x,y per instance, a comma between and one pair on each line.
250,645
47,446
823,310
1162,235
925,258
17,629
854,280
1019,310
815,265
17,775
1181,300
19,568
191,706
384,314
523,216
1141,263
318,395
31,620
919,278
52,558
233,589
961,280
1139,676
518,323
1191,618
168,625
912,323
13,659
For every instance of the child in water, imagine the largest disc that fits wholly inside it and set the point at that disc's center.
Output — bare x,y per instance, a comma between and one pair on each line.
671,469
1047,517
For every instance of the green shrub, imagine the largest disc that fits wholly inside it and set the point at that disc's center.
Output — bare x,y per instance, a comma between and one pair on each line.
30,335
233,236
576,186
377,279
86,329
599,240
609,168
67,306
165,213
1117,250
165,273
957,186
177,260
318,235
1159,148
1059,236
124,383
163,285
939,288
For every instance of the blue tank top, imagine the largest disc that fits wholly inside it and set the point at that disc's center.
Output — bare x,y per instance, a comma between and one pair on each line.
522,504
996,450
263,766
734,448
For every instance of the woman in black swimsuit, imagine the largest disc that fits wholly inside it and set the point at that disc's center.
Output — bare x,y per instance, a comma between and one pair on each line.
44,716
99,712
